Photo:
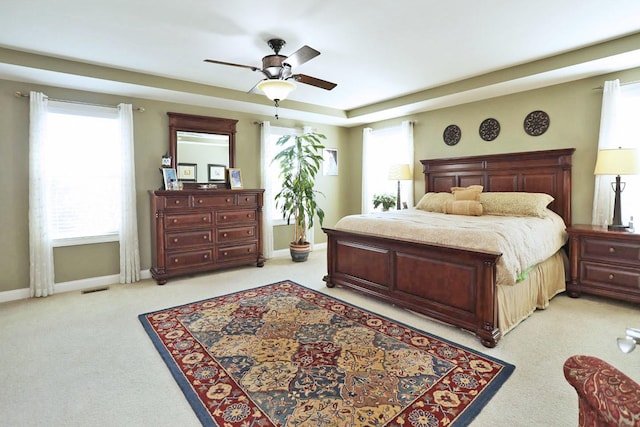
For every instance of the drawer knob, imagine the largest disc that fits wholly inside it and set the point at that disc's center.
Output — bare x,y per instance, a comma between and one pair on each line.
177,202
249,232
175,240
610,276
205,237
246,199
205,256
200,201
612,250
224,217
204,218
175,220
225,235
249,250
175,260
227,200
225,254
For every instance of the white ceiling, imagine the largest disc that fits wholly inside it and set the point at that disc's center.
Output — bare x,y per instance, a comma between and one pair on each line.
375,50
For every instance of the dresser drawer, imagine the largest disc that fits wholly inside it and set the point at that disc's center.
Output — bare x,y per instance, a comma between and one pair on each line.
180,201
187,239
236,233
178,221
214,201
247,200
611,251
189,259
610,277
230,217
235,252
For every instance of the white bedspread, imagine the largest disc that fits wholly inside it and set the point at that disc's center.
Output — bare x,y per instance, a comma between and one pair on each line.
523,241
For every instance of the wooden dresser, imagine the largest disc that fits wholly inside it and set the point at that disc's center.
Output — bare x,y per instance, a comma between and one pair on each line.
604,262
202,230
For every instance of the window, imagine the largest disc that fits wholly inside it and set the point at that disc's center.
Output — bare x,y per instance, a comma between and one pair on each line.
82,153
629,110
381,149
274,169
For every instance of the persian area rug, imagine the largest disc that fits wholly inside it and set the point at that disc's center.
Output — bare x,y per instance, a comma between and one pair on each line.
286,355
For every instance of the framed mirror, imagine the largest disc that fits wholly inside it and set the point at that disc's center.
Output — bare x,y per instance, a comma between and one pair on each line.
195,142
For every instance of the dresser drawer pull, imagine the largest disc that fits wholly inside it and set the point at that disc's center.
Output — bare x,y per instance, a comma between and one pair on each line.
176,260
246,199
249,250
225,235
249,232
177,202
205,237
612,250
205,256
200,201
611,276
175,240
175,221
204,218
250,216
224,217
228,200
225,254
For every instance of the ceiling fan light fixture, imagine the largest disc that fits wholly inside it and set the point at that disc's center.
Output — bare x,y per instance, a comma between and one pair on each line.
276,90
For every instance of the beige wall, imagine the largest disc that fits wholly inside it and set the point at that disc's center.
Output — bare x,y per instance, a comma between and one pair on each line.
151,142
574,110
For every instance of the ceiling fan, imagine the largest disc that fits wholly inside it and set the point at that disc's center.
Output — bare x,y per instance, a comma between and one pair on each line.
277,70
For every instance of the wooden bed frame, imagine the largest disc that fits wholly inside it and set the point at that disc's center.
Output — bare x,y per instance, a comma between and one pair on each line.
448,283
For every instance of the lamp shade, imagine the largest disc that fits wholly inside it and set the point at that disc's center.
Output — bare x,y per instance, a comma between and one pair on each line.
400,172
276,89
617,161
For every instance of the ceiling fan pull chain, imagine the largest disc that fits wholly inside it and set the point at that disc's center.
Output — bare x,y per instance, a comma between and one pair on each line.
277,105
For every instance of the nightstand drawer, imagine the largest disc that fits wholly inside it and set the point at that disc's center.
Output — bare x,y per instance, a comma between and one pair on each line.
609,277
611,251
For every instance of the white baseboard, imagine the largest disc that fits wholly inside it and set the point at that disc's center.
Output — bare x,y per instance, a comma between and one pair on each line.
74,285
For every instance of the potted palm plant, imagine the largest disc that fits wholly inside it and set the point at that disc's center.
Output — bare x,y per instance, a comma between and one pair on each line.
299,163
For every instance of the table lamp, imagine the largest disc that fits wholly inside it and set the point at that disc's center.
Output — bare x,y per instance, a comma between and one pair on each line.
617,161
399,172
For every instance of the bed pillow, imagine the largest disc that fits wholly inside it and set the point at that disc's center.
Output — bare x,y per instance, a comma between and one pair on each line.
471,192
463,207
434,202
515,203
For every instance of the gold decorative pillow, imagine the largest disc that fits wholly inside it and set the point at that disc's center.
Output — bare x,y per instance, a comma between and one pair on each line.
434,202
471,192
463,207
515,203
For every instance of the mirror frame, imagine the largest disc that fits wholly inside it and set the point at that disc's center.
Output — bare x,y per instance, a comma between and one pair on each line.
205,124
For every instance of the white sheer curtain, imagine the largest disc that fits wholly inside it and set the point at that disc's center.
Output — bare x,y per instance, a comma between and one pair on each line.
266,154
40,244
367,140
608,137
129,248
407,136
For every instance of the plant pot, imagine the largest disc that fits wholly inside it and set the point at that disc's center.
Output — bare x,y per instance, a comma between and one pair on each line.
299,253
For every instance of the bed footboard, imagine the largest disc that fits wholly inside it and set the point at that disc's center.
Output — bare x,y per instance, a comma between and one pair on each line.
450,284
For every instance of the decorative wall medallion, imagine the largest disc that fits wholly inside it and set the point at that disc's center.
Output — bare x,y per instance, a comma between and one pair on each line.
452,135
489,129
536,123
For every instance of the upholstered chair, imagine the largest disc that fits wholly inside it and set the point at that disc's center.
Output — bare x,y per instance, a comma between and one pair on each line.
606,396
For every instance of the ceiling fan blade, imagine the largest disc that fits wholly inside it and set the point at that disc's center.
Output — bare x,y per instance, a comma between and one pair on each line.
255,89
314,81
213,61
302,55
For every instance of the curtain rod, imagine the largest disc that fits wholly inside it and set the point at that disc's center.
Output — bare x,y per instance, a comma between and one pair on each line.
621,84
19,94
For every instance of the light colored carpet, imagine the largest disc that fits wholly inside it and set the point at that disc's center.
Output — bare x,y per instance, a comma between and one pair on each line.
84,359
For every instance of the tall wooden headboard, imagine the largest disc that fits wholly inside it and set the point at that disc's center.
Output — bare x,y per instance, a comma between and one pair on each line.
533,171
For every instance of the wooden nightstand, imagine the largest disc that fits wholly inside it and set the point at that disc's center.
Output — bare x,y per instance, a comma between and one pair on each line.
604,262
